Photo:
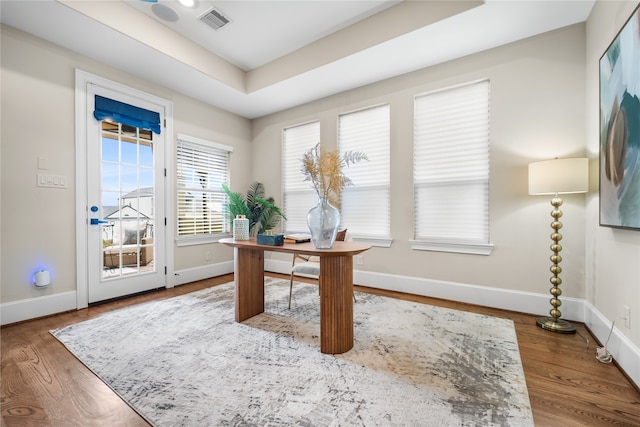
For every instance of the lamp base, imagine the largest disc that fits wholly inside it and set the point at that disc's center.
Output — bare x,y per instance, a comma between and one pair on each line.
556,325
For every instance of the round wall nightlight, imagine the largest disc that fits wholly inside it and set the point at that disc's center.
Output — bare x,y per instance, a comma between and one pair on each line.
42,279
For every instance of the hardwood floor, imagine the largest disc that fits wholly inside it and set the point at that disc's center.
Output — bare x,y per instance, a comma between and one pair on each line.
42,384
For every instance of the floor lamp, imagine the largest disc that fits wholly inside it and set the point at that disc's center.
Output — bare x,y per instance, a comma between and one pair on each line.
557,176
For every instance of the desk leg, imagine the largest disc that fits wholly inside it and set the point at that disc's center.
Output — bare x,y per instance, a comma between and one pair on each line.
249,281
336,304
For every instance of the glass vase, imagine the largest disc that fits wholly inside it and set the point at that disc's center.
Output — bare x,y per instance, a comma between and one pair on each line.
323,220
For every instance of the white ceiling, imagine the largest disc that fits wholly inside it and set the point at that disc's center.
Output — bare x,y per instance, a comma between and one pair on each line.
274,55
261,31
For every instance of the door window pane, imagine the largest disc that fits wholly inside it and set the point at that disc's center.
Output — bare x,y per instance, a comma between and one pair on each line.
127,197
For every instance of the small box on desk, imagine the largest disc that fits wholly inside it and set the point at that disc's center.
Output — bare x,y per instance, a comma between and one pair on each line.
270,239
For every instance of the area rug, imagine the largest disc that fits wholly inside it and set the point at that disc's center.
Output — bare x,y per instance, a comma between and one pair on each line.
184,361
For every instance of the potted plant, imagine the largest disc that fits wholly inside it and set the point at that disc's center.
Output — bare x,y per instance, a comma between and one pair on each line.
261,212
324,170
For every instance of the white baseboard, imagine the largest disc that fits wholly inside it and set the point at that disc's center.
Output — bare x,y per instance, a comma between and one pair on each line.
205,272
31,308
505,299
624,352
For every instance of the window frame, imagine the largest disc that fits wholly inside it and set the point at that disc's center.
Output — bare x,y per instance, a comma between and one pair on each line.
455,244
303,190
361,169
209,147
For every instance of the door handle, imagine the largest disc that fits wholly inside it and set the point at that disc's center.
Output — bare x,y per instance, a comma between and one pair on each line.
96,221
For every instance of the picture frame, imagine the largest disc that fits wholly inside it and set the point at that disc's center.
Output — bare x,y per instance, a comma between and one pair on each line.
620,128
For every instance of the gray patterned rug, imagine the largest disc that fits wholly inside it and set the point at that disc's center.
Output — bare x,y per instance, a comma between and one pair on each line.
185,362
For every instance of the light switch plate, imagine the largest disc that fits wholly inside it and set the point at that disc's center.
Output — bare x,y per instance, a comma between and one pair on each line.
52,181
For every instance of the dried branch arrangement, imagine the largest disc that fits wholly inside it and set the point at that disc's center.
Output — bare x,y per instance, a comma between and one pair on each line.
324,170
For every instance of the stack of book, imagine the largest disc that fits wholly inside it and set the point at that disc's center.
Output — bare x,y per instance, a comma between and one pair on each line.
297,238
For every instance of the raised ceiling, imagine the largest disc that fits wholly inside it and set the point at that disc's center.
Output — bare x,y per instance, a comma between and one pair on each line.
274,55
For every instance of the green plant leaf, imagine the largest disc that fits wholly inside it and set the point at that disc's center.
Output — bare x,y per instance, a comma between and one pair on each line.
261,212
236,204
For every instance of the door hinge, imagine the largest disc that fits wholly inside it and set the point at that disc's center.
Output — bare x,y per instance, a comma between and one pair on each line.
165,172
165,270
165,123
165,221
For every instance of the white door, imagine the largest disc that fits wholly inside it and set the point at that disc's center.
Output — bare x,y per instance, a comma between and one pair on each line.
125,195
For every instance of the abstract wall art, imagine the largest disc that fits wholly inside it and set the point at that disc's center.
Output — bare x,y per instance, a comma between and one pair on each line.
620,128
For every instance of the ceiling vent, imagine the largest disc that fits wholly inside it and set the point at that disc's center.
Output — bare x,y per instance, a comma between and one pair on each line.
215,19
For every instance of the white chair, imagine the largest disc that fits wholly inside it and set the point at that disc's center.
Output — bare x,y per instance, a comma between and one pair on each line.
309,266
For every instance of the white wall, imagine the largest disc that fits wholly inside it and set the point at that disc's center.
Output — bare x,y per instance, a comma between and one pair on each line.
613,255
38,224
537,112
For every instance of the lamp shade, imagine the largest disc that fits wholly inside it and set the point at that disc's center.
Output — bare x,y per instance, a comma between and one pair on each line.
559,176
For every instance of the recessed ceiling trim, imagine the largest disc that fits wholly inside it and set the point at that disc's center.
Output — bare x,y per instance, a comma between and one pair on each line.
187,68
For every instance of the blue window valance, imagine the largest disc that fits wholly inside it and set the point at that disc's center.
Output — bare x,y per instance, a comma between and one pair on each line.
126,114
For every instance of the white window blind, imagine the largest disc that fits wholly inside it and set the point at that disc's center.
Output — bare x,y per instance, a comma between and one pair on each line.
298,195
366,205
201,168
451,165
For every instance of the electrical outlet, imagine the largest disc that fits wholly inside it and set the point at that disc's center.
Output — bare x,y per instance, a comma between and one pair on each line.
207,256
360,259
626,314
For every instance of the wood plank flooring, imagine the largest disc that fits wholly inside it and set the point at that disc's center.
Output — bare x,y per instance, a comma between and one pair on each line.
42,384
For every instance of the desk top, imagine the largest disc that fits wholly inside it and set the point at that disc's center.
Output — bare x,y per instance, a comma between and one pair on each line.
307,248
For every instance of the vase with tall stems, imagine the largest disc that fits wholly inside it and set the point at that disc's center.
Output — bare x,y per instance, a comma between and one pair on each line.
323,220
324,170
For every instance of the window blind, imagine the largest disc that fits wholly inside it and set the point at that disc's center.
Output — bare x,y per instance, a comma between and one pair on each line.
451,164
109,109
298,195
366,205
201,169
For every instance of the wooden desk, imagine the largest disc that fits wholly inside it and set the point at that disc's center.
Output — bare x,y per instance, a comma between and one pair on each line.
336,286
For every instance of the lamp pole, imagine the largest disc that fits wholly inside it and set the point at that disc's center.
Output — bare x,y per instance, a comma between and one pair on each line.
557,176
554,323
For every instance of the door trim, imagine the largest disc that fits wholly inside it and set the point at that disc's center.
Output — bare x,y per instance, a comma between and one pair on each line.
83,79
